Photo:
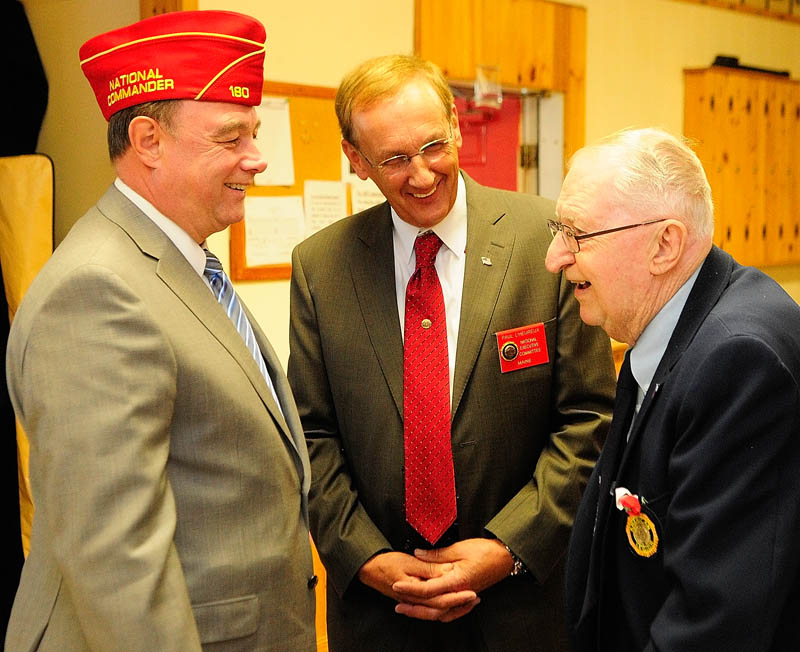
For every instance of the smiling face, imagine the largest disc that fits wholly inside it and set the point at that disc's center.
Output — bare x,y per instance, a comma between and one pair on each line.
610,273
423,193
206,164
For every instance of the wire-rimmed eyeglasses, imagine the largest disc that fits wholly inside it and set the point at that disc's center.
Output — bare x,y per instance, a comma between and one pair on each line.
431,152
573,240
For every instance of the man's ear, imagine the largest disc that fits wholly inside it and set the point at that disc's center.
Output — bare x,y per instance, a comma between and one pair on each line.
667,246
356,161
145,135
457,140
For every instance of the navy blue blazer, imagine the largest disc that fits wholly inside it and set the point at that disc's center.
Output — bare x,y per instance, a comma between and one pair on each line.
714,454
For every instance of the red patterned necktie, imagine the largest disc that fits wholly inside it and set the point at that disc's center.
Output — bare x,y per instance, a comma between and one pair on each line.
429,477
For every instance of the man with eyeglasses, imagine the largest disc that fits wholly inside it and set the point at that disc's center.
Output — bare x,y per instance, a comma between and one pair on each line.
450,441
687,536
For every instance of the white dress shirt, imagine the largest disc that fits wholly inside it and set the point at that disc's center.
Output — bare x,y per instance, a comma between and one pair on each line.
646,354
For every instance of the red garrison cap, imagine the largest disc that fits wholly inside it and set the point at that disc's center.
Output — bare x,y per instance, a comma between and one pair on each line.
214,56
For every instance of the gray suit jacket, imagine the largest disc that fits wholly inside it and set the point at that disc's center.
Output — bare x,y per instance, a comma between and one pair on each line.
524,442
170,491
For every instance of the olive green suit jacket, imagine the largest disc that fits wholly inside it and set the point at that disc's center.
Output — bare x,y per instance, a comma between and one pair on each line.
524,442
170,490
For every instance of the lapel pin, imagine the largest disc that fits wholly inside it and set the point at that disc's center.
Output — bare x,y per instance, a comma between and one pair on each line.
641,531
486,261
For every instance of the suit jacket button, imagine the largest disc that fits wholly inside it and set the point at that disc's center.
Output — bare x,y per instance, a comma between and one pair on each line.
312,581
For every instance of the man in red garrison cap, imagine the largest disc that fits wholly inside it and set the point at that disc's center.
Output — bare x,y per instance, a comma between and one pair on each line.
169,471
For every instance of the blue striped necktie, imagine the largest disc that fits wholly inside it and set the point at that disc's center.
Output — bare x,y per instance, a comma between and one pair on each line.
226,295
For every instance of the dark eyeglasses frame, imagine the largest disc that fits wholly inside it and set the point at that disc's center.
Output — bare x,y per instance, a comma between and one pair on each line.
569,232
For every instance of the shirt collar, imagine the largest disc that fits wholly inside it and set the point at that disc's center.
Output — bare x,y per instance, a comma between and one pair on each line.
452,230
652,343
182,240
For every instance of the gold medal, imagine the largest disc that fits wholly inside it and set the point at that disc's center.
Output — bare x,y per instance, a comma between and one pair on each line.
641,534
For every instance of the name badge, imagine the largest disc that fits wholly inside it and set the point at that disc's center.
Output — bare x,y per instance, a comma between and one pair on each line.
522,347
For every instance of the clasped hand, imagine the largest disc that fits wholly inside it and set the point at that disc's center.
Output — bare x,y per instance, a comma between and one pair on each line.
440,584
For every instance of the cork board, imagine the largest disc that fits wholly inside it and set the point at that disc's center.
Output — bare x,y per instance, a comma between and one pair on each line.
316,149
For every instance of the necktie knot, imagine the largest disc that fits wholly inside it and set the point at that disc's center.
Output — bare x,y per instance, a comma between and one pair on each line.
426,246
213,266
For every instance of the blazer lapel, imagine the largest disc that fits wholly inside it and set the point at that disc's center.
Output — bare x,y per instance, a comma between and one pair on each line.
275,371
287,419
605,475
714,277
372,271
176,272
187,285
487,238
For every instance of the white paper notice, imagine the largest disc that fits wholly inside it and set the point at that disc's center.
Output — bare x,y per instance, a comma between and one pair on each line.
325,202
364,194
273,226
275,142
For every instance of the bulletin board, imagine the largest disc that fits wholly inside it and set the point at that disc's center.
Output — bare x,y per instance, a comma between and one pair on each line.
316,139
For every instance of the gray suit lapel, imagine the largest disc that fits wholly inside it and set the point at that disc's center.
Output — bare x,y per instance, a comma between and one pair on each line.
288,420
273,368
488,237
176,272
372,270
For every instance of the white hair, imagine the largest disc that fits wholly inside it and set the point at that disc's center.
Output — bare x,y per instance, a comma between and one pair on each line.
652,174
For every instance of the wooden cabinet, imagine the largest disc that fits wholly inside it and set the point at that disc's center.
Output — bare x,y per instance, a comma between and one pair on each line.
747,131
529,40
536,45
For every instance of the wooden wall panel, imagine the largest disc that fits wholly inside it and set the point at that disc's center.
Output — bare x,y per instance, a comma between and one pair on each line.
700,111
571,71
780,164
445,34
529,38
489,45
793,176
747,126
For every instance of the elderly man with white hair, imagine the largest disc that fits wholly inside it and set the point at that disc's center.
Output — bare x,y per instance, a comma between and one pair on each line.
687,536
